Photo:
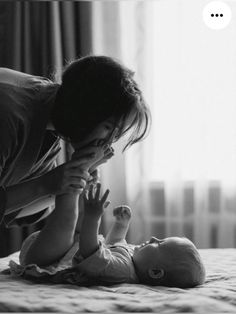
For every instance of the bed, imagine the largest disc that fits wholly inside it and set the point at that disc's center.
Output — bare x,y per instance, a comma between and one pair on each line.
218,294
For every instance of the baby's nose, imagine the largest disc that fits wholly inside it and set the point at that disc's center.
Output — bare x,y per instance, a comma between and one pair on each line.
154,240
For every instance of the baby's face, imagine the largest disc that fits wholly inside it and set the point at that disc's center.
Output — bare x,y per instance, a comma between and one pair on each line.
157,252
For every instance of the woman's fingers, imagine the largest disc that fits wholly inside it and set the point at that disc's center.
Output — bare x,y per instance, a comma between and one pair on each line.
78,173
89,155
108,156
83,162
108,150
77,183
84,152
72,190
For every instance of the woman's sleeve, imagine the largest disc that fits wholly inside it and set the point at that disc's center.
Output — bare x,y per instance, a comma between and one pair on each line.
8,138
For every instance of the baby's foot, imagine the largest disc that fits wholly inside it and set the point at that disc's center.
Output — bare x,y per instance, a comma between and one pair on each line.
122,215
94,154
107,154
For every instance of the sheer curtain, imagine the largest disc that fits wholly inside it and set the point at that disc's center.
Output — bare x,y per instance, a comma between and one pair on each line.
180,181
194,156
120,31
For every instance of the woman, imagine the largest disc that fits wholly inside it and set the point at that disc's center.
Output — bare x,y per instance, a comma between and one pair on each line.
96,103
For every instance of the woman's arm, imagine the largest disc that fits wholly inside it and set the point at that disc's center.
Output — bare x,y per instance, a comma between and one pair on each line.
61,180
57,236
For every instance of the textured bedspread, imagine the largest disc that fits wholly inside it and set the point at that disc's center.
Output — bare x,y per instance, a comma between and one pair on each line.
218,294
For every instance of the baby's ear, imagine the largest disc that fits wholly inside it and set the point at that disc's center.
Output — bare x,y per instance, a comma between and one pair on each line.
156,273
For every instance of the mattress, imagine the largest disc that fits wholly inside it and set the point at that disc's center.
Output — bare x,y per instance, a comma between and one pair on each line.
218,294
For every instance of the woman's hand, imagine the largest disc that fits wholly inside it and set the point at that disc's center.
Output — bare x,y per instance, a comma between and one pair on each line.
93,204
97,152
102,155
94,178
70,177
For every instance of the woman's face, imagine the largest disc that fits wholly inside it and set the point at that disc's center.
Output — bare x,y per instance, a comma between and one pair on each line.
104,133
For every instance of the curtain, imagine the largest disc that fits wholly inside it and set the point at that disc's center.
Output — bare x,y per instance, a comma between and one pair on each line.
180,181
39,38
193,164
120,31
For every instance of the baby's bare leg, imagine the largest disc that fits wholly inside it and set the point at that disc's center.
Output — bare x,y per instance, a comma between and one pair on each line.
120,226
57,236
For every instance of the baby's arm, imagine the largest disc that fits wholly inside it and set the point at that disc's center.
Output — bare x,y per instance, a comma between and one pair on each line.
93,210
120,226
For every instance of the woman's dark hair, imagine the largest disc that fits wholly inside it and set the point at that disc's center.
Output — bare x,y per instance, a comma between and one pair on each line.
93,89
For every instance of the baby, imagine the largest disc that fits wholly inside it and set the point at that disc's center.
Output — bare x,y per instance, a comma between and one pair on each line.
172,262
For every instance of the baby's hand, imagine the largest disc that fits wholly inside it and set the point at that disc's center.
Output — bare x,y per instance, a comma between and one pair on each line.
93,204
122,214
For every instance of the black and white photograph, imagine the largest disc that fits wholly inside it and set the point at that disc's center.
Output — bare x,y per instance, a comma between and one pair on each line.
118,156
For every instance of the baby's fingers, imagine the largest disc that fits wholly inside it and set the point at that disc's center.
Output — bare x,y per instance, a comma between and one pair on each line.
104,198
90,193
107,203
98,191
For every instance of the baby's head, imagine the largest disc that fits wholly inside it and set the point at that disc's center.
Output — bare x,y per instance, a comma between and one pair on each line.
172,262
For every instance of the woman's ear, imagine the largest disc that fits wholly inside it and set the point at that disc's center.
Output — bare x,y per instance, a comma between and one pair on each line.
156,273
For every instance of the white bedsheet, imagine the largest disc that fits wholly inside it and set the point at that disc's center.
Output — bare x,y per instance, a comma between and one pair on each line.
218,294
